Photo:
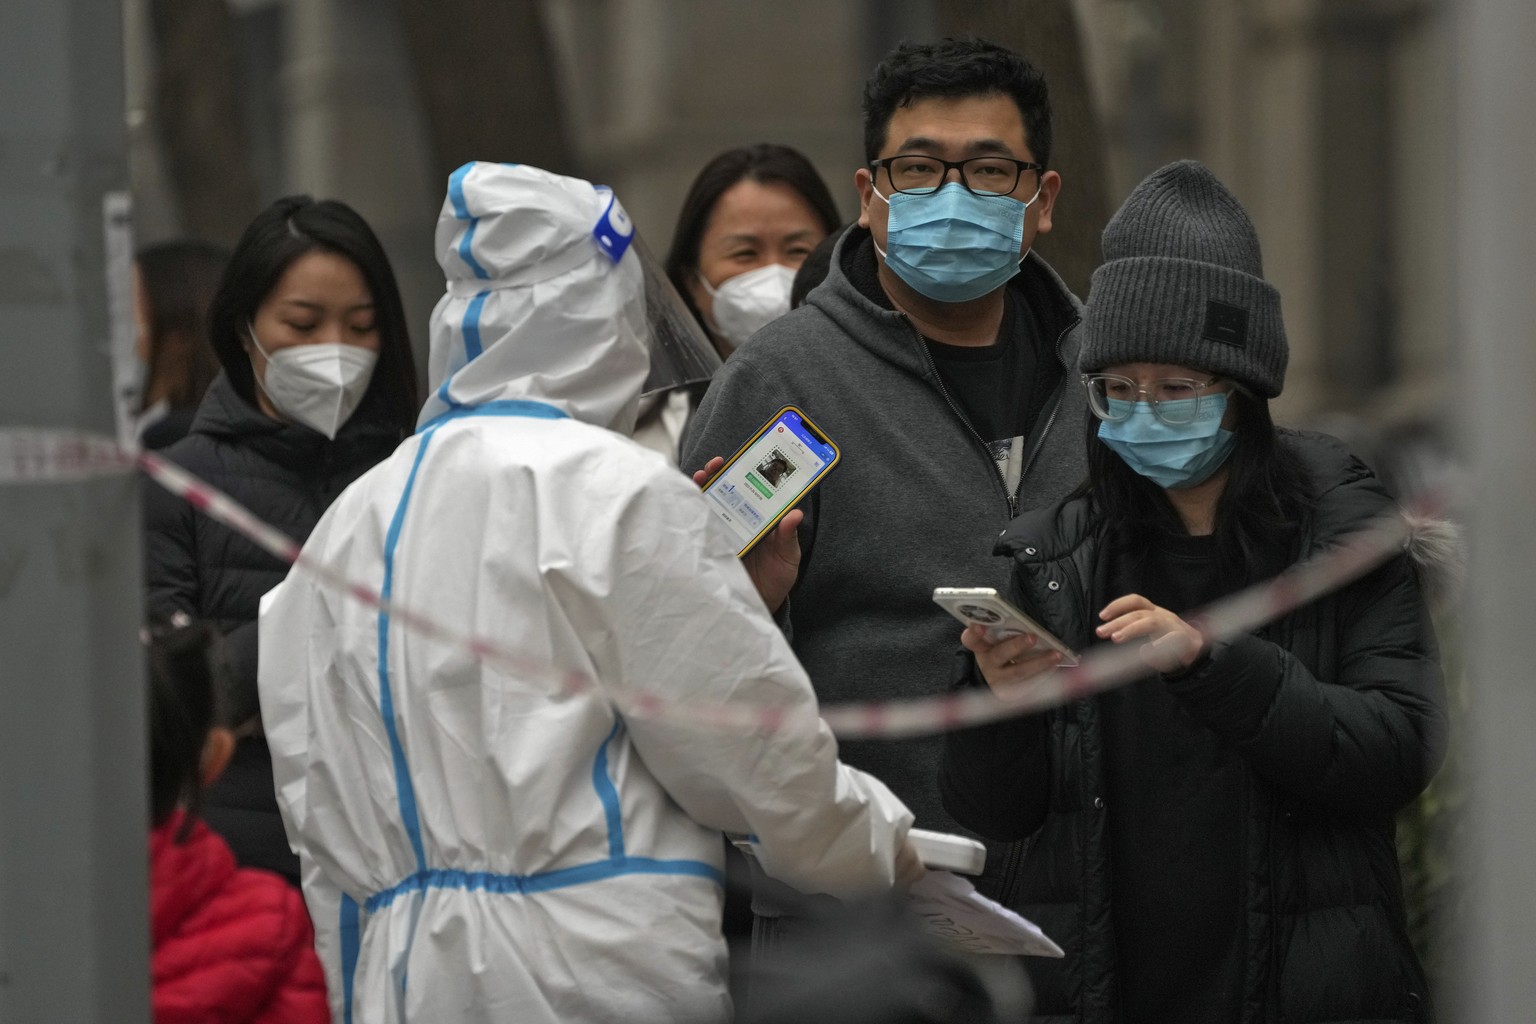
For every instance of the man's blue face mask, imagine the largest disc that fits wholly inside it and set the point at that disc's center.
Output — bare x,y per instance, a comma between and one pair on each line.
953,245
1170,455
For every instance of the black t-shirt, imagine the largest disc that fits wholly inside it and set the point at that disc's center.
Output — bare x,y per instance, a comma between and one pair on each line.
995,385
1174,797
1000,387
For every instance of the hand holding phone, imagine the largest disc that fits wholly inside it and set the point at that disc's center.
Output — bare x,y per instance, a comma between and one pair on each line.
1010,666
774,562
759,485
983,606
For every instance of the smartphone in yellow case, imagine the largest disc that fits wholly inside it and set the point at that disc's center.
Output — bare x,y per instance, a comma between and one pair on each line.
775,469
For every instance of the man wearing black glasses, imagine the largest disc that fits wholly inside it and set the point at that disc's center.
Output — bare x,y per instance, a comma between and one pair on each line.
938,356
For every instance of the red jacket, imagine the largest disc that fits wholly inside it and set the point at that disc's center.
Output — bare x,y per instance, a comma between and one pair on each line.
231,945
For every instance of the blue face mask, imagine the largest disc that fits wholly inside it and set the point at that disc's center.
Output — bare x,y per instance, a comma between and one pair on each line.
953,245
1170,455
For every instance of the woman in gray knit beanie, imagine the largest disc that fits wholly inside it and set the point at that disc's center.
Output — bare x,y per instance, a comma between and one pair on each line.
1213,842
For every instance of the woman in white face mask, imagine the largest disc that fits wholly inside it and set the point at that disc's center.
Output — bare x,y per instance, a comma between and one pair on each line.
322,343
318,386
749,220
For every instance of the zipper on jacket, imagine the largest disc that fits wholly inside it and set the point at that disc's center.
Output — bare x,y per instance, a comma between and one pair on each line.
1061,390
1050,421
1010,500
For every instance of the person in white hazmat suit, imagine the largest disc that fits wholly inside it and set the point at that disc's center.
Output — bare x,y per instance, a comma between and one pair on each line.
477,844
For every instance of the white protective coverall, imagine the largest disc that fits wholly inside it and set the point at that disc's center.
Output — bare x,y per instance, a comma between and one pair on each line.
476,846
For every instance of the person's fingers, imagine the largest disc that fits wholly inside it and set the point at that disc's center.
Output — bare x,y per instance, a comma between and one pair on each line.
1121,605
785,537
1016,677
1116,629
1016,647
774,563
782,545
1009,661
1004,652
974,639
909,866
711,467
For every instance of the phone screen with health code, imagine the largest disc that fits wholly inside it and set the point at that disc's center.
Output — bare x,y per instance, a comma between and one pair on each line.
765,478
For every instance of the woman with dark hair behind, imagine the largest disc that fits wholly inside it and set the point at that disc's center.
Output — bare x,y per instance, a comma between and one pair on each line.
229,944
759,210
1215,840
318,385
749,220
174,283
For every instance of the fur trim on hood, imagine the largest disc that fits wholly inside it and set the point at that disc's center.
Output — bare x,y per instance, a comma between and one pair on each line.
1437,546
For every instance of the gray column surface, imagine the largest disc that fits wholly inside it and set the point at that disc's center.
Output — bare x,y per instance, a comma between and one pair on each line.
1493,259
74,920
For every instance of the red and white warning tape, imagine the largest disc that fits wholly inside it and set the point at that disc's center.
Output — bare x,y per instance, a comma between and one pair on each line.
58,456
47,456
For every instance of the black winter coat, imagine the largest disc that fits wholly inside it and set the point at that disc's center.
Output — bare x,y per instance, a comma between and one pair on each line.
1338,710
287,474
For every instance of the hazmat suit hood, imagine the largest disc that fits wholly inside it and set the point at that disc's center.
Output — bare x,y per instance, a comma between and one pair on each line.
551,297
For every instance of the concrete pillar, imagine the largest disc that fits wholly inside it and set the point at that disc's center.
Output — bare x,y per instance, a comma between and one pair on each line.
74,821
1492,255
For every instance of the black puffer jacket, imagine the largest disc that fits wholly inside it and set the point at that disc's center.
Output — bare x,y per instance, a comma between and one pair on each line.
1338,710
287,475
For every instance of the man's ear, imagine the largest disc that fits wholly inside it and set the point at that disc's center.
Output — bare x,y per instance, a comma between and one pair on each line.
866,187
217,750
1050,188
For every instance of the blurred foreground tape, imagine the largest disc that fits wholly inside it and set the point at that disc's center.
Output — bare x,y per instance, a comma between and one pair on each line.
50,456
58,456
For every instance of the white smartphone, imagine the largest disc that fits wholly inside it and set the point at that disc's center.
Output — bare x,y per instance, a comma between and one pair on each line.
760,484
983,606
947,852
940,850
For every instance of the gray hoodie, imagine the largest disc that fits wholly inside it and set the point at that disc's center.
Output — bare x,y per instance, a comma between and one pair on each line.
916,502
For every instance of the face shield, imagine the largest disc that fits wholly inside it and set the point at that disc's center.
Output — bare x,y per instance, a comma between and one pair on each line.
679,351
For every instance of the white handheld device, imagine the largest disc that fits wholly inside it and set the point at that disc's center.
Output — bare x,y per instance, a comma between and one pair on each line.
947,852
939,850
983,606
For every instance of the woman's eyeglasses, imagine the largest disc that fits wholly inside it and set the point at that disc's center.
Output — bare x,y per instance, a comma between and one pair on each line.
1174,400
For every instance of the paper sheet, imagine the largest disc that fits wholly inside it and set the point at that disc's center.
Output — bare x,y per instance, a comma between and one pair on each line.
127,371
951,908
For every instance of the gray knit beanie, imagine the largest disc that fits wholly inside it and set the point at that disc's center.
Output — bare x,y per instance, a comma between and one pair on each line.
1182,282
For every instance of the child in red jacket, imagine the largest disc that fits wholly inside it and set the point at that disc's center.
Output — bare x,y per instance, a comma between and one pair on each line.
230,944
